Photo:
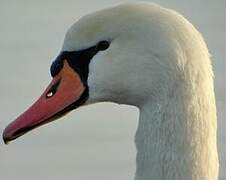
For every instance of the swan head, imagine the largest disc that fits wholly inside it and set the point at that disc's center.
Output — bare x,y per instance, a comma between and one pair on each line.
130,54
139,61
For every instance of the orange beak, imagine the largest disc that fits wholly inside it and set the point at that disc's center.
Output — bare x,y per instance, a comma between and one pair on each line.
65,92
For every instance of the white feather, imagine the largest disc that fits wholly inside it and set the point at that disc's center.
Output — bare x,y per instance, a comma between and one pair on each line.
158,62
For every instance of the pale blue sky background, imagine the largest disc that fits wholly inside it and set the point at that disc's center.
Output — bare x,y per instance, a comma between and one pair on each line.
94,142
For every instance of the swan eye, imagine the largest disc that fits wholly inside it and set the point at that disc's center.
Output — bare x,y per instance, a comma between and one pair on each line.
103,45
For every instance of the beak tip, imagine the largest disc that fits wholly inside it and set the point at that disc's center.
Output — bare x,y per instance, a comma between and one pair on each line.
5,139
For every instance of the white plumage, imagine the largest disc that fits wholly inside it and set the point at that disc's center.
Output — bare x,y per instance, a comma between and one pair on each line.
158,62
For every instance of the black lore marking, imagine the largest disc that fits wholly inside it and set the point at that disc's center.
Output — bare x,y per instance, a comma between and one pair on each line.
57,65
78,60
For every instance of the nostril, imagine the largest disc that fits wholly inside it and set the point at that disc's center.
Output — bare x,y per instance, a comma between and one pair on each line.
49,94
52,91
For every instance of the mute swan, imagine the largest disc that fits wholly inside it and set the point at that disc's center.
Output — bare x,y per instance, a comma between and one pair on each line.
150,57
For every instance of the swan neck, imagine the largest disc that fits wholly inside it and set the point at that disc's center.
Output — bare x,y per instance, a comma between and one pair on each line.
176,138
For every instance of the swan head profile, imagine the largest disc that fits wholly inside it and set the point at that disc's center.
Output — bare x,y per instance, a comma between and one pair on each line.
144,55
